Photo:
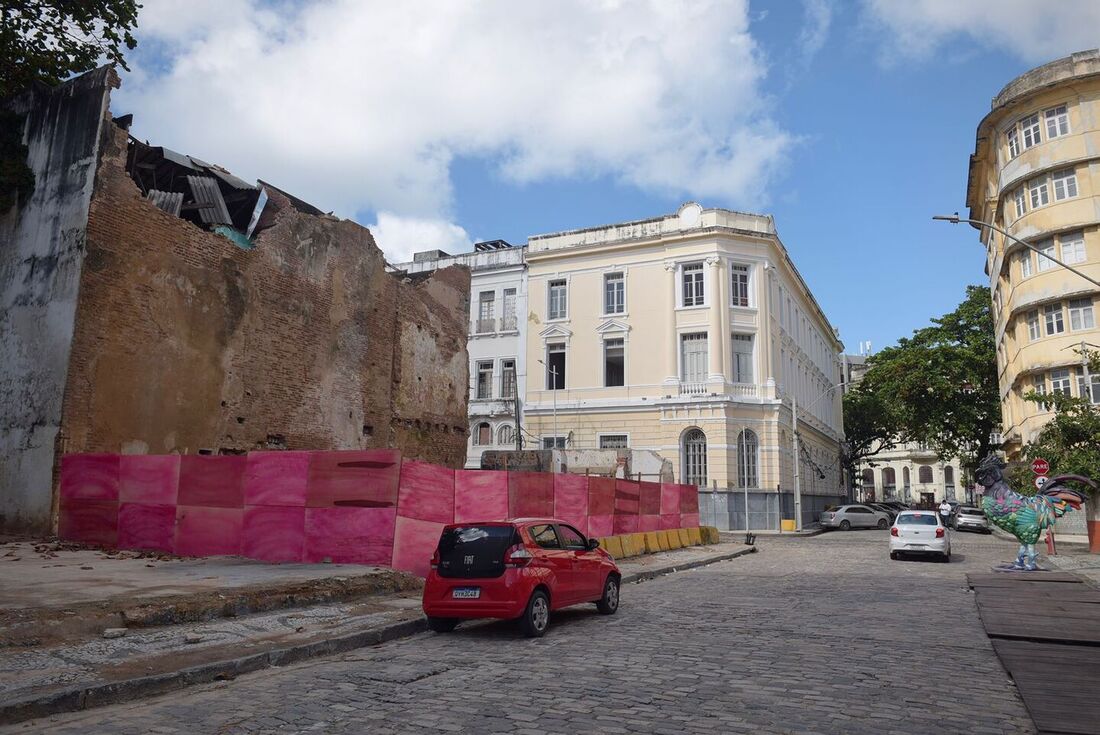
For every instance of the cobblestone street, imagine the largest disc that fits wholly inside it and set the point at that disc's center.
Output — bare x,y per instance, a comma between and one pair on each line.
822,634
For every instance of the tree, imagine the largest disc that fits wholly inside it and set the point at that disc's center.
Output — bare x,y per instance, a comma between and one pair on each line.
870,427
49,40
941,384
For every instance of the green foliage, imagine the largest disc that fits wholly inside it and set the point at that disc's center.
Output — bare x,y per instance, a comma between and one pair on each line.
1070,442
940,385
869,427
49,40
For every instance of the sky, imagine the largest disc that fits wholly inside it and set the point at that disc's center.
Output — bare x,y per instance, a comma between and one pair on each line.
440,123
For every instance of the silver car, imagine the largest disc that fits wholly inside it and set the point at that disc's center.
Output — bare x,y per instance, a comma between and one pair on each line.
971,519
847,517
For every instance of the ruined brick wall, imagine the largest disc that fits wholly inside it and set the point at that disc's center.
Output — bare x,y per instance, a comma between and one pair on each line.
186,342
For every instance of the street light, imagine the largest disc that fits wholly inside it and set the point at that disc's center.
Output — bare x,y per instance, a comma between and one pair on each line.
797,457
554,374
956,219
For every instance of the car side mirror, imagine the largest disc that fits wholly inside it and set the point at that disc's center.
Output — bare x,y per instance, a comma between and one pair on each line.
593,544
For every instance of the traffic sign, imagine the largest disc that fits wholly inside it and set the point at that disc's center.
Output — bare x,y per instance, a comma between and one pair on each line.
1040,481
1040,466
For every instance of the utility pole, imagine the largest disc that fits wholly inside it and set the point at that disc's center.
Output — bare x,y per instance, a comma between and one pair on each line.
797,479
515,407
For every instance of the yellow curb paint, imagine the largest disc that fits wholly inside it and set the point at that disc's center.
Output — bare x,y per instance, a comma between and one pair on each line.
652,544
696,536
685,540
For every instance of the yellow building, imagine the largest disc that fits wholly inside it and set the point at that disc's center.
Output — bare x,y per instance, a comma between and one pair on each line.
1035,172
691,335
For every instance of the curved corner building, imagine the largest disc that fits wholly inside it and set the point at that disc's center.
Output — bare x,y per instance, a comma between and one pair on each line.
1035,172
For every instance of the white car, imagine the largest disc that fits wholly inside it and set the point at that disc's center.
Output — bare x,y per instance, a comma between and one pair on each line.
919,532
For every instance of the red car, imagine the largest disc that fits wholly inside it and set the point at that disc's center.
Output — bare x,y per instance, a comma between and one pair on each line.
521,569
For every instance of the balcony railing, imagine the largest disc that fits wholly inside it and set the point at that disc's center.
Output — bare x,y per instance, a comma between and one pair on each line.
509,323
484,326
693,389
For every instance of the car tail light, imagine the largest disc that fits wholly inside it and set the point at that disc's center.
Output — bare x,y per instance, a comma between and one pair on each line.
435,559
894,531
939,532
517,556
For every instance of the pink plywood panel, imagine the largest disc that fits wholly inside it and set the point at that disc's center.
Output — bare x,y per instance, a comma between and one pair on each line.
276,478
414,542
149,478
530,494
627,524
89,477
689,520
601,496
480,495
649,498
88,521
670,498
212,481
274,533
670,520
204,531
427,492
147,527
649,522
350,535
601,525
689,499
366,479
571,500
627,498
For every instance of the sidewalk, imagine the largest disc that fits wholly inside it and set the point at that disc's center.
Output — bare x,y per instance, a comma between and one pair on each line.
79,667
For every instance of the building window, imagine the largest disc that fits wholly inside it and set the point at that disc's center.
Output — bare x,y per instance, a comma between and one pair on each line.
1089,392
905,480
748,447
506,435
556,306
555,366
483,434
1030,129
1046,248
693,358
1039,385
1013,136
1025,264
1037,189
508,379
1055,322
692,280
614,366
485,303
614,294
1020,198
1057,122
508,318
1073,247
553,442
924,474
889,482
485,379
742,358
695,458
1080,314
740,285
613,441
1059,381
1065,184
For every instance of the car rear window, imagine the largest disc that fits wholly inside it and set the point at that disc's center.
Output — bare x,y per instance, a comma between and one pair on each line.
916,519
474,551
971,512
832,509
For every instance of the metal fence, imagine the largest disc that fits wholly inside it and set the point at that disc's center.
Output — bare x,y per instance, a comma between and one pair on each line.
726,509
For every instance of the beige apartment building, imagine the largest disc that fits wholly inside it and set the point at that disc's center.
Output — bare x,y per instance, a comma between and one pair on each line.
691,335
1035,172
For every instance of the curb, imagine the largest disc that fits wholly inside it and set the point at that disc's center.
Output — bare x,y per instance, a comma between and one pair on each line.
661,571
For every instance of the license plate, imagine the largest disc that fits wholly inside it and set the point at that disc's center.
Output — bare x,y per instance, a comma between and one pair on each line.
466,593
916,546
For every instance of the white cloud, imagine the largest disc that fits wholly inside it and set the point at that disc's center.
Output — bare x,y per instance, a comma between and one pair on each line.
812,37
363,105
1035,32
400,237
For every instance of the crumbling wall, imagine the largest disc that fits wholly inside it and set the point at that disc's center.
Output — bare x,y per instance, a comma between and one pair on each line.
42,243
188,343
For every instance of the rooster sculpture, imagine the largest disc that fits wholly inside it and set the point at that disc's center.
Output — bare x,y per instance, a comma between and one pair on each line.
1026,517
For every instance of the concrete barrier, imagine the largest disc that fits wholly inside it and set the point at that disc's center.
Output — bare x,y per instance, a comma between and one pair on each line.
710,535
696,537
613,545
627,544
652,544
685,538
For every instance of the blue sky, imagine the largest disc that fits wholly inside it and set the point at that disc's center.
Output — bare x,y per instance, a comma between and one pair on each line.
436,125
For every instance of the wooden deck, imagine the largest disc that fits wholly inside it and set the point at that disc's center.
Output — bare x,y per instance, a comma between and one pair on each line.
1045,628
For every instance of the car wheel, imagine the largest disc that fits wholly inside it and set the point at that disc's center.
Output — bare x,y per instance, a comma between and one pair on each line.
894,555
536,618
946,558
883,524
609,603
845,526
441,625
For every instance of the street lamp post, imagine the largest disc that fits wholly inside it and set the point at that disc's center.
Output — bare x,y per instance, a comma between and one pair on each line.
554,375
797,457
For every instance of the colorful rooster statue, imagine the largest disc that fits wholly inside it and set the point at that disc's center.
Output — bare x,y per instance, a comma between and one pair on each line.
1024,517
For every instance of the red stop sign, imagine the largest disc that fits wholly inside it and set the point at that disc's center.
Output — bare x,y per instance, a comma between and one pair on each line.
1040,466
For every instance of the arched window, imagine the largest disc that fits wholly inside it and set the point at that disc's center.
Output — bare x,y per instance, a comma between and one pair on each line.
869,479
748,447
949,476
483,434
924,474
889,480
695,458
905,477
505,435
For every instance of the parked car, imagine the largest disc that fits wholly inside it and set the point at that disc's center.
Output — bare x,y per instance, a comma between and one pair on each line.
919,532
890,511
847,517
522,569
971,519
896,505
